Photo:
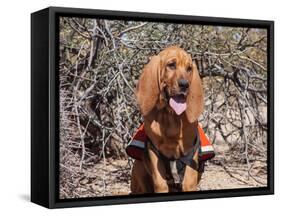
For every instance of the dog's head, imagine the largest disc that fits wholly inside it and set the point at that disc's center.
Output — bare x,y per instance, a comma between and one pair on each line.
171,80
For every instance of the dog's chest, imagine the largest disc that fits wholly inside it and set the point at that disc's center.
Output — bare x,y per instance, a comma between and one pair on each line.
172,135
166,127
165,131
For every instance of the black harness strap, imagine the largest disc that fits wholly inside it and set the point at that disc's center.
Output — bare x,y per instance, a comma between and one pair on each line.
175,168
188,158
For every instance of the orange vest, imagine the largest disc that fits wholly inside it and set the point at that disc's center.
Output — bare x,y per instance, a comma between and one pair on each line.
137,145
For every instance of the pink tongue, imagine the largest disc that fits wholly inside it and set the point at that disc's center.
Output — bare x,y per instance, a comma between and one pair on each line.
178,105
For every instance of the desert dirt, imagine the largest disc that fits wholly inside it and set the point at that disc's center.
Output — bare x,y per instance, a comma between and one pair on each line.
112,177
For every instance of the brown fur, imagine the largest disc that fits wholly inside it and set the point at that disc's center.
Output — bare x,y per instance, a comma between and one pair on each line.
172,134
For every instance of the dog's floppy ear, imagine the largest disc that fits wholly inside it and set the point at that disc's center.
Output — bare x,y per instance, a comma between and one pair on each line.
195,97
148,87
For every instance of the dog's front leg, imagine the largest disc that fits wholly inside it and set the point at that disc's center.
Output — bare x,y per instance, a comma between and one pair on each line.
158,173
191,176
190,179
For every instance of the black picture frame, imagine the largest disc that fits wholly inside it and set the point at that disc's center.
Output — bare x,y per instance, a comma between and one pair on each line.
45,110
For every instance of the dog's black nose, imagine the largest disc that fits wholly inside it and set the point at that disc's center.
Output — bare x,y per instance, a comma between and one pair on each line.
183,84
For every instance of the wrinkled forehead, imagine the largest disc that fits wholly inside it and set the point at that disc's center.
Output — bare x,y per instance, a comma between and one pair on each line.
177,55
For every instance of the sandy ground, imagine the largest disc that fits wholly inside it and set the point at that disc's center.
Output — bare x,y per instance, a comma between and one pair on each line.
112,177
115,179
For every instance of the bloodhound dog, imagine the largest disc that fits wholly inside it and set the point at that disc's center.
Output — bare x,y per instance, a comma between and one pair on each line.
170,97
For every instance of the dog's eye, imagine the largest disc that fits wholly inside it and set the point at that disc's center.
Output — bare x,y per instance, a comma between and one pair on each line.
189,69
172,65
